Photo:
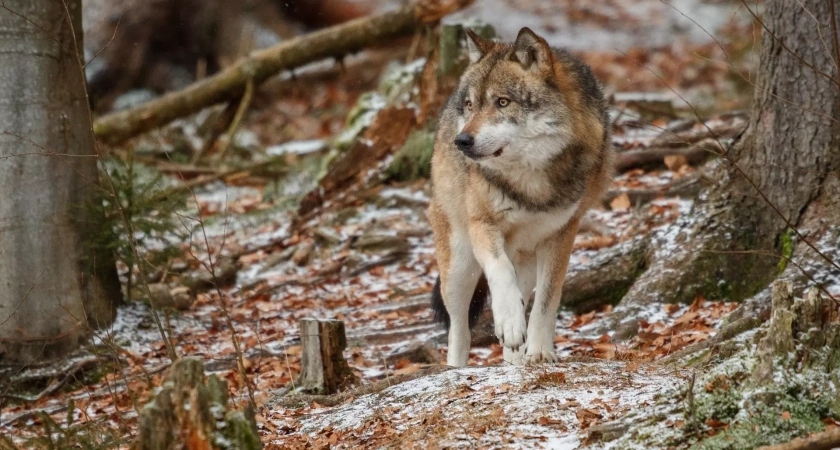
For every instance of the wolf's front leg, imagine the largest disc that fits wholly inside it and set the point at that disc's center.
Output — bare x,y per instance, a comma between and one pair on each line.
552,262
506,298
525,264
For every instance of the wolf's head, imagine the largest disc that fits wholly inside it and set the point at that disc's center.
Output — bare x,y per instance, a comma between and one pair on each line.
514,102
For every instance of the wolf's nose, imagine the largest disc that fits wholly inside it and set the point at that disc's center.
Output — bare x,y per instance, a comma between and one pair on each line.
464,141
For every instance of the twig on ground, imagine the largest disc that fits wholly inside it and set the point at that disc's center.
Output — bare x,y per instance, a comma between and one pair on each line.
237,119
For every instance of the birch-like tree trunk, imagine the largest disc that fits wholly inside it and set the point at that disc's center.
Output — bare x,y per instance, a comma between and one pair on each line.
54,285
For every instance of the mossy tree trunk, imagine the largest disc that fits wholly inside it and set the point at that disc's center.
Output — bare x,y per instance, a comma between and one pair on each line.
53,284
782,173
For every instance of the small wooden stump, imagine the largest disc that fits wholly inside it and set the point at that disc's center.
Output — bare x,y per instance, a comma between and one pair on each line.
323,368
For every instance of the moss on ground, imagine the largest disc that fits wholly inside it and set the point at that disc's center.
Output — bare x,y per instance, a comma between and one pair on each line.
731,411
414,159
768,425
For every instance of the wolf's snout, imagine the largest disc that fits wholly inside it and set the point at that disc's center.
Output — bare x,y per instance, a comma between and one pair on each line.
464,142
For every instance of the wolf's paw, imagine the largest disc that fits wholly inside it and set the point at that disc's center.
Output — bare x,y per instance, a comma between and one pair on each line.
510,326
541,356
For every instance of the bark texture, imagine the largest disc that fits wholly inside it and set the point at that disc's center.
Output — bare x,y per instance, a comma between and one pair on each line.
53,284
781,173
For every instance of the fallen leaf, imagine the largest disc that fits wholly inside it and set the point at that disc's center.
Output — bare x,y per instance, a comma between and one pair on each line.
675,162
407,370
786,415
620,203
716,423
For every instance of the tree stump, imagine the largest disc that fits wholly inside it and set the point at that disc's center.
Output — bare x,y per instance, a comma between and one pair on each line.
323,368
189,413
776,346
801,334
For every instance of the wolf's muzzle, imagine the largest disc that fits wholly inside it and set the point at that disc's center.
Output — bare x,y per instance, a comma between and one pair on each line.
464,142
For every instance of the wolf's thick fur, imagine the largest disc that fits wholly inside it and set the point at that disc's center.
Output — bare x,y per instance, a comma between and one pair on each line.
522,151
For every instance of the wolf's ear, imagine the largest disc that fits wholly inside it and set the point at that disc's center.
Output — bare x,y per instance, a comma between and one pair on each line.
531,51
477,46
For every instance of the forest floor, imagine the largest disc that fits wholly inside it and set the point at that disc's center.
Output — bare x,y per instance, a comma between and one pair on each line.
366,258
371,264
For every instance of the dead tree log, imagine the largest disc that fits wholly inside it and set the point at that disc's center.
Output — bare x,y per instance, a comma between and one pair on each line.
323,370
230,84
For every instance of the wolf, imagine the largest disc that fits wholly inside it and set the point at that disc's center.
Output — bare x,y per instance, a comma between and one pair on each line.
523,149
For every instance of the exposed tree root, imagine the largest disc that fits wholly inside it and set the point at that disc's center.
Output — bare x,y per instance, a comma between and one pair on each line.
606,278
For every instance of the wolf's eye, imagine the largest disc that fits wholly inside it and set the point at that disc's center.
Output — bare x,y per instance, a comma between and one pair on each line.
501,102
468,105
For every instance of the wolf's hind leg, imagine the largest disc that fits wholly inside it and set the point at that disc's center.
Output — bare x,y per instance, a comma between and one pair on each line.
552,262
458,282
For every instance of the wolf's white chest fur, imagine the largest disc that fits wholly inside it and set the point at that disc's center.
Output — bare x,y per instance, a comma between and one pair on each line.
525,230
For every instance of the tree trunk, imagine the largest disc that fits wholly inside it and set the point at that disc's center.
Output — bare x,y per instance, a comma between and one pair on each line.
54,285
781,173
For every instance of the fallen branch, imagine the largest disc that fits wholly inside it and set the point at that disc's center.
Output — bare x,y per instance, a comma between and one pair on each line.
686,187
230,83
187,170
298,400
65,376
655,156
209,178
826,440
731,126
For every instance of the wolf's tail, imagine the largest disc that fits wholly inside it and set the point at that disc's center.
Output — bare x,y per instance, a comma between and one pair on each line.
479,299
